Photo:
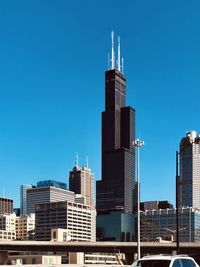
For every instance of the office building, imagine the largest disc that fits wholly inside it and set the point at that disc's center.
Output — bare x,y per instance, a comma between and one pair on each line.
162,224
81,181
189,180
47,195
115,226
23,198
6,205
25,227
7,227
115,191
78,219
53,183
155,205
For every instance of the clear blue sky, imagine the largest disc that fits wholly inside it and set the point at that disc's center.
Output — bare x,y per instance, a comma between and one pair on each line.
53,55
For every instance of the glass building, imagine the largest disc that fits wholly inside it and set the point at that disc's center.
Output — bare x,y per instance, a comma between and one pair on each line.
115,226
23,198
161,224
54,183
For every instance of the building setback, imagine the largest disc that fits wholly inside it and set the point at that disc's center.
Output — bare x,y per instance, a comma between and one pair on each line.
79,219
46,195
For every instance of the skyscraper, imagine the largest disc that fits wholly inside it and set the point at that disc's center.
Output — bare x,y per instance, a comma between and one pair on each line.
189,180
81,181
115,190
23,198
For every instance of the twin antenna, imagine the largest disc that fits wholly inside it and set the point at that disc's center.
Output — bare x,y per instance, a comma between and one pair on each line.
112,60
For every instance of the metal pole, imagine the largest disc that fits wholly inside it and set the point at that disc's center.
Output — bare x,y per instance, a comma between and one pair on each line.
138,201
177,206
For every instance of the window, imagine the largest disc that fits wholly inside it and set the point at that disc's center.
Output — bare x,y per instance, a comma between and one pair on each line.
152,263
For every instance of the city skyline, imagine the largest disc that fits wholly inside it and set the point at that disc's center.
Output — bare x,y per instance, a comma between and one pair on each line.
53,59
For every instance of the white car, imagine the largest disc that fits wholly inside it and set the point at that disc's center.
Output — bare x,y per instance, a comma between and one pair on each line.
166,261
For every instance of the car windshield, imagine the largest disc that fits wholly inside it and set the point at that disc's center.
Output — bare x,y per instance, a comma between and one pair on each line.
152,263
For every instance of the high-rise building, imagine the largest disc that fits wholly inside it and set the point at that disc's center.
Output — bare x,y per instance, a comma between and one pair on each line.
54,183
49,194
189,180
115,191
23,198
81,181
6,205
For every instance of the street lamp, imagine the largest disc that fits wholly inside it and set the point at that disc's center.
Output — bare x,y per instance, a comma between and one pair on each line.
138,143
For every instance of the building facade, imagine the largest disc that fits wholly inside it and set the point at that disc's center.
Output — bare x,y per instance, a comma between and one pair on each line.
162,224
25,227
115,191
23,198
189,180
6,205
46,195
78,219
115,226
7,227
81,181
53,183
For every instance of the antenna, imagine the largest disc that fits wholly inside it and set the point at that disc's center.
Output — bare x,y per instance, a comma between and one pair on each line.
122,65
76,160
108,60
86,162
118,60
112,52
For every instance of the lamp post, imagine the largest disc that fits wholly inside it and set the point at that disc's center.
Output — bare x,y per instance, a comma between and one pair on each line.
138,143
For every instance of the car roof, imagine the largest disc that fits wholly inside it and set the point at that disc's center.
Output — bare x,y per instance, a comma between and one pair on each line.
163,257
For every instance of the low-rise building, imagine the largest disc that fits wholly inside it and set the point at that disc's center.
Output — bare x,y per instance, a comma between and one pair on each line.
162,224
7,227
25,227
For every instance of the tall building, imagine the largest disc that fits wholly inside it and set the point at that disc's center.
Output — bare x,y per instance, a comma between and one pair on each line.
23,198
115,191
189,180
54,183
48,194
6,205
81,181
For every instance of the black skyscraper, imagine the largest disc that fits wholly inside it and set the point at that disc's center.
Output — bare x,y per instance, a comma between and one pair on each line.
115,190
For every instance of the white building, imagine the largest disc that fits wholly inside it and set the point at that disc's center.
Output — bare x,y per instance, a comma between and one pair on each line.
7,227
78,219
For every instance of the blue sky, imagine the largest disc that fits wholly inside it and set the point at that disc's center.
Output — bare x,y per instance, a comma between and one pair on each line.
53,55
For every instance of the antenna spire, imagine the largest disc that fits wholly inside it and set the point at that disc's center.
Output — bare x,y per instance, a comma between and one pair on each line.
112,52
118,60
122,65
108,60
86,162
76,160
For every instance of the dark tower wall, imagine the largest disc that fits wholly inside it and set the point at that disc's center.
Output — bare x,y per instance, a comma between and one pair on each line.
115,190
